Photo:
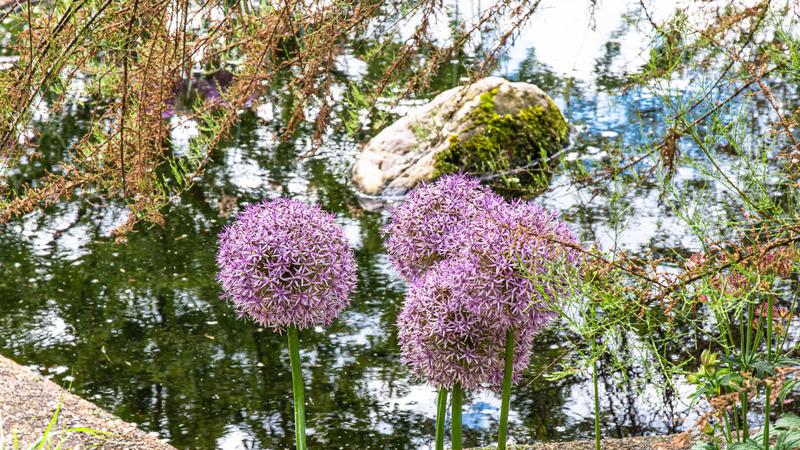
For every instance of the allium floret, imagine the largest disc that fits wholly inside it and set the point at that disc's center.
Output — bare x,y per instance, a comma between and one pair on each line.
530,253
423,229
501,267
450,332
284,262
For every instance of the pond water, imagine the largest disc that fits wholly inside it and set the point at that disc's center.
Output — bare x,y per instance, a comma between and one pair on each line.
140,330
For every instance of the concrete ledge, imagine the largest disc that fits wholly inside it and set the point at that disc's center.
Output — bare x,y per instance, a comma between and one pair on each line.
27,404
632,443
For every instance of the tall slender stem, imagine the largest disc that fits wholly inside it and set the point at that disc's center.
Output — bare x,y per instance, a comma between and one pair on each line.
297,388
743,408
769,327
745,428
502,435
768,393
455,426
727,430
596,407
746,365
766,416
441,412
595,386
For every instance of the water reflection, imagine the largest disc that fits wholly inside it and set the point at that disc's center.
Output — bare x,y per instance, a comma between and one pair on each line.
140,329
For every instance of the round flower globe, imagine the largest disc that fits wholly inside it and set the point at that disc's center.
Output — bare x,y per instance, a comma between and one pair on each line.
525,260
286,263
423,229
451,332
529,254
485,275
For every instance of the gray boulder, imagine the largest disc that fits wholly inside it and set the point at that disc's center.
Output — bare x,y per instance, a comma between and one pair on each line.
491,125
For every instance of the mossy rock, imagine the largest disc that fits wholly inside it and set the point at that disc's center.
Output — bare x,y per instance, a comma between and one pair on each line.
493,128
498,143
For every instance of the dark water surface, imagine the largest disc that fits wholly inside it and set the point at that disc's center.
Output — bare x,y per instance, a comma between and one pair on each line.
139,329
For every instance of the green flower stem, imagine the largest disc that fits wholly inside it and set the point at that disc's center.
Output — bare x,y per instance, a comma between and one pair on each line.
766,416
297,388
595,387
441,412
784,336
502,436
740,436
769,359
596,406
455,426
746,359
745,428
727,430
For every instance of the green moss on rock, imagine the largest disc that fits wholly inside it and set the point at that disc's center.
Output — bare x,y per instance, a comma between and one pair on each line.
496,143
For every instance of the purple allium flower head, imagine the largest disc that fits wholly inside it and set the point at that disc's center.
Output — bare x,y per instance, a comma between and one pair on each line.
503,263
529,250
284,262
422,230
527,258
450,332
